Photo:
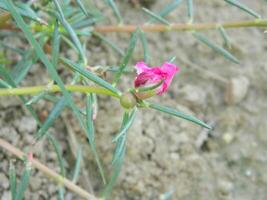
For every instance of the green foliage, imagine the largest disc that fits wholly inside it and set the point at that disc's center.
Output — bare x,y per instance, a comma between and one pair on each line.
215,47
67,23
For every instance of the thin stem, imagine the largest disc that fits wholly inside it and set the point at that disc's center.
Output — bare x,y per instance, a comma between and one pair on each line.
181,27
160,27
55,88
48,172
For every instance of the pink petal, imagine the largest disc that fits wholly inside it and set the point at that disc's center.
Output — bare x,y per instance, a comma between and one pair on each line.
141,67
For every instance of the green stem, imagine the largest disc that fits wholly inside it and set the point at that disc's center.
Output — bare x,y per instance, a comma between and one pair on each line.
55,88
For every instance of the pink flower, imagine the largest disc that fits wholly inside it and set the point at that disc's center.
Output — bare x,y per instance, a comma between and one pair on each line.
147,76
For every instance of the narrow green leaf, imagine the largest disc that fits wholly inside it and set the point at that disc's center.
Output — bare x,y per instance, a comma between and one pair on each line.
12,180
51,118
57,148
24,11
215,47
114,176
155,16
86,73
172,59
167,9
24,182
176,113
109,43
89,119
243,7
86,23
77,168
36,98
70,30
225,37
127,56
55,45
39,51
120,144
144,45
91,135
190,10
7,46
11,82
127,125
119,150
80,4
4,84
115,9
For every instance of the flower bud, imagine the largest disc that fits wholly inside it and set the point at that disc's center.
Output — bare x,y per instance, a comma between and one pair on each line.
128,100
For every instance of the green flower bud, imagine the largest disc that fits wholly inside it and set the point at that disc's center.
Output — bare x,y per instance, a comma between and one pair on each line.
128,100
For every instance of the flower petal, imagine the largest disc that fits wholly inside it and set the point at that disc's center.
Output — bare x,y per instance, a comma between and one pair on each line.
141,67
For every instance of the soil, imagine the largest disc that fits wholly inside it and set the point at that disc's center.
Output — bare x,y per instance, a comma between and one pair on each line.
165,154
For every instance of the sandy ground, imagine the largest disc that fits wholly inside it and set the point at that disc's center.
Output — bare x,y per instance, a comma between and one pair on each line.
164,153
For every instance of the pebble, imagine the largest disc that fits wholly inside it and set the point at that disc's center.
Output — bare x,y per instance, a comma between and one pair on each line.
236,90
4,182
193,95
26,124
35,183
225,187
6,195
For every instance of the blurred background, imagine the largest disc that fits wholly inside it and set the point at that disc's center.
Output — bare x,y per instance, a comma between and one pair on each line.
164,154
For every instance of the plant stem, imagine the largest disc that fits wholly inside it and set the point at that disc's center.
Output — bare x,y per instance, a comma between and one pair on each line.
181,27
48,172
160,27
55,88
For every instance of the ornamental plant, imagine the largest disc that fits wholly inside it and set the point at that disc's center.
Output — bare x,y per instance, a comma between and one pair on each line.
47,26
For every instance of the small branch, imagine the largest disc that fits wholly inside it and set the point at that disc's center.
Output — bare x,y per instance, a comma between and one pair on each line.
181,27
160,27
55,88
48,172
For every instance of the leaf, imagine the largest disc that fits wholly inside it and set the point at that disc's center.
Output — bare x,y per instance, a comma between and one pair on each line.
57,148
77,168
109,43
24,182
215,47
55,45
39,52
225,37
51,118
167,9
144,44
127,125
127,56
176,113
80,4
91,135
12,180
115,9
4,84
190,10
23,10
155,16
70,30
243,7
86,73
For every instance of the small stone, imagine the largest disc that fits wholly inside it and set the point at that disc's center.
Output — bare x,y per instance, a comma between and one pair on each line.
4,182
10,134
26,125
35,183
6,195
236,89
225,187
193,95
228,138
